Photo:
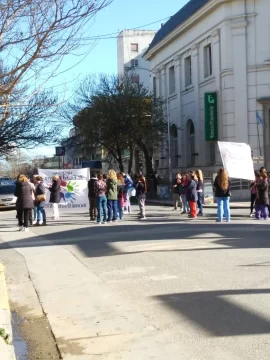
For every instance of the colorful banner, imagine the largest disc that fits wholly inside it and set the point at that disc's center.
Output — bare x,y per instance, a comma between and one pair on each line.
237,160
74,187
211,116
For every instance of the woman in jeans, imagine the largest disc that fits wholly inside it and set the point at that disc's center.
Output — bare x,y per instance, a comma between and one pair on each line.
25,203
101,200
112,195
183,194
40,201
199,175
222,193
121,195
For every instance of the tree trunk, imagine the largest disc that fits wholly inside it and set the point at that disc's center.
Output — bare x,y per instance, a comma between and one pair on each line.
130,162
148,165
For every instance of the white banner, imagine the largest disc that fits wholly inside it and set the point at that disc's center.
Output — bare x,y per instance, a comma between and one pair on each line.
74,187
237,160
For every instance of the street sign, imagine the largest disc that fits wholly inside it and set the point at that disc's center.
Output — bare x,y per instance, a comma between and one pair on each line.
60,151
211,116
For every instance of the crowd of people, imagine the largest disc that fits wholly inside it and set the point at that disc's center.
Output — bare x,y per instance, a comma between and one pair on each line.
31,197
188,194
109,196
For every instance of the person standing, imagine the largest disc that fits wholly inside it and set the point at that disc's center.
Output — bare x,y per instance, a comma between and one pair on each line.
192,195
25,203
183,192
253,195
128,187
100,189
33,188
112,195
199,176
262,199
176,193
92,197
40,201
141,189
55,196
121,196
222,193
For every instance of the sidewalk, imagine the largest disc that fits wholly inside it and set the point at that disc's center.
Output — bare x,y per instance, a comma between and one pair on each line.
6,348
233,204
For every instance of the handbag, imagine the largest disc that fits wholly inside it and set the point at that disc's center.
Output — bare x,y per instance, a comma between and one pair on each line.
41,197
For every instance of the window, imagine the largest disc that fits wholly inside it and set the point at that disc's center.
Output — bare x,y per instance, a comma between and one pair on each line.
171,80
191,143
134,63
155,87
188,73
207,60
135,79
135,47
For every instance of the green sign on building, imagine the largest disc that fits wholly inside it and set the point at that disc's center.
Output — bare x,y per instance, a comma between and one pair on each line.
211,116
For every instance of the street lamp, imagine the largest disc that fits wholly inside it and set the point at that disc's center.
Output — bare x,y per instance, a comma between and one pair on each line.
167,117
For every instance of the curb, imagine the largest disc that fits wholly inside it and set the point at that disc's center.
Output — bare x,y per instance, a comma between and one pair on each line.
6,349
232,206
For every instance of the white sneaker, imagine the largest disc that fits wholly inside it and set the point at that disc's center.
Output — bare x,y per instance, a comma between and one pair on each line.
40,222
21,228
34,222
25,229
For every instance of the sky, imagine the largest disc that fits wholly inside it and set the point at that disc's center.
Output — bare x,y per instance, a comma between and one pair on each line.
121,14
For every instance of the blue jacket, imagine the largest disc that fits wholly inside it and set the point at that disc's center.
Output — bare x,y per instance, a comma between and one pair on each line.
128,182
192,191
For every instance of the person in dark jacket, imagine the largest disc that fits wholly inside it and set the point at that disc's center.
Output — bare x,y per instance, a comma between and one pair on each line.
112,195
176,193
55,196
222,194
40,201
92,197
262,199
25,203
141,189
192,195
101,200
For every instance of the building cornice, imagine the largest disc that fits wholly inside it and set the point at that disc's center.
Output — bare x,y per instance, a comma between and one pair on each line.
188,23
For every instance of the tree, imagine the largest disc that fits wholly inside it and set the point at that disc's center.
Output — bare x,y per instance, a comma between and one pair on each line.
36,35
17,163
30,125
119,115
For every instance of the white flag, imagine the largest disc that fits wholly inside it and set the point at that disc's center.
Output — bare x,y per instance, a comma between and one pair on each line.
237,160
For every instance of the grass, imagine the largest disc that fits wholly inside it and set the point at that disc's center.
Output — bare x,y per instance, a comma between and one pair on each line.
4,335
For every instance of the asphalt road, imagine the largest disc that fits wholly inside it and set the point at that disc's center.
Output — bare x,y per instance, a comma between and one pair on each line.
167,287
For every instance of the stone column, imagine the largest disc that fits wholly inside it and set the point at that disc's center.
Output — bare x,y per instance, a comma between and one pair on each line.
239,42
199,143
177,66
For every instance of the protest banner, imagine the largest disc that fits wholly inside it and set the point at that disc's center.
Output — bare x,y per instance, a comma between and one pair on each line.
237,160
74,187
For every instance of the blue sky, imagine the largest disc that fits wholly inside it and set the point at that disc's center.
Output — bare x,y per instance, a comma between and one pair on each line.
121,14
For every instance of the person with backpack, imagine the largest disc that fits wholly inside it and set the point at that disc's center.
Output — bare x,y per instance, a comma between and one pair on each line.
99,190
141,189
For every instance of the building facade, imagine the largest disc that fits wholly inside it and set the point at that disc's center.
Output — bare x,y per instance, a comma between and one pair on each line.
219,47
131,45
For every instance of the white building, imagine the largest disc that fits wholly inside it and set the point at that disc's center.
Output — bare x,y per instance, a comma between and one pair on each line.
220,47
131,45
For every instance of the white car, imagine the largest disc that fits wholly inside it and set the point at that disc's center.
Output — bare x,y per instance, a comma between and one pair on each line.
7,198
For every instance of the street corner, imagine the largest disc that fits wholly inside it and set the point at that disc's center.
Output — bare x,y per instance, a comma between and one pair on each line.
6,347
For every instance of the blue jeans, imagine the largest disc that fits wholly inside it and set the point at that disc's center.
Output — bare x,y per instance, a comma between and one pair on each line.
112,210
41,214
185,203
223,204
120,209
35,214
200,202
101,202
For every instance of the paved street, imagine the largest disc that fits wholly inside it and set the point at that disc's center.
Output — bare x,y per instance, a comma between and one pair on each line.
164,288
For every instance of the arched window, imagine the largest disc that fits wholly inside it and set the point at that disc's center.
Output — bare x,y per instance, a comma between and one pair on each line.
190,131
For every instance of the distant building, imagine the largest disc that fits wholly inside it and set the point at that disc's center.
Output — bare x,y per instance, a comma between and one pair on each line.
131,45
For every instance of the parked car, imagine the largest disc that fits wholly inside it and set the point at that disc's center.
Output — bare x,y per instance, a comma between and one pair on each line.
7,198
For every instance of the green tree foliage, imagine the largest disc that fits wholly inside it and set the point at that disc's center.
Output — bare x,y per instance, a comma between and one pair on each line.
113,112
